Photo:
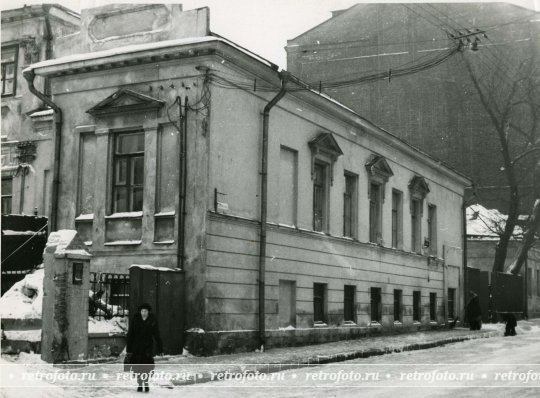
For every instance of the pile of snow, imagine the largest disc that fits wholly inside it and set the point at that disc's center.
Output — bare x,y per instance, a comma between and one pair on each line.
25,298
487,223
116,325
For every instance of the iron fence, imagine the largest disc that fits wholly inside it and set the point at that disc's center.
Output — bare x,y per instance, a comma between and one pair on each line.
109,295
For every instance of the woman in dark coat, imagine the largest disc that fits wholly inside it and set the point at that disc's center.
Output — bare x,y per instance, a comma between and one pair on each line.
142,332
474,311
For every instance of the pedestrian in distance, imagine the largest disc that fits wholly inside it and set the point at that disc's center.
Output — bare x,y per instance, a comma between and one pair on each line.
142,332
511,323
474,311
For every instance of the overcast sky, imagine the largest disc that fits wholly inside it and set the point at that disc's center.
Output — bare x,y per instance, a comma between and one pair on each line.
263,26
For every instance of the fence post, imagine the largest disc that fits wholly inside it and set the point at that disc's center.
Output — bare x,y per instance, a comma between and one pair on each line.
66,285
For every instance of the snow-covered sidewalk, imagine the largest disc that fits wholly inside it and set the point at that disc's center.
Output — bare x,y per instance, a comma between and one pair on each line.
173,371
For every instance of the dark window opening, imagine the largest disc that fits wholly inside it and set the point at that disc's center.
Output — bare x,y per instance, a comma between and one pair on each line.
396,219
433,306
398,294
349,206
415,225
375,299
349,303
432,229
451,303
416,306
319,302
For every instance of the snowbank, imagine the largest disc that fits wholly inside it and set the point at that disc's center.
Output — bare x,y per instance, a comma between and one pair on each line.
116,325
25,298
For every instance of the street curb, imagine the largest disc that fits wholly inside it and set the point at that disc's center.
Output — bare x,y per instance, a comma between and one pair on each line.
208,376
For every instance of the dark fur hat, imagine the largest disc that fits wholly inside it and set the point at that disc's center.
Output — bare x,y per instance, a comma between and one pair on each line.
145,306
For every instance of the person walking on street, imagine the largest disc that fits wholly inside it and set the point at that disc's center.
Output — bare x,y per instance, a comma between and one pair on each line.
142,332
474,311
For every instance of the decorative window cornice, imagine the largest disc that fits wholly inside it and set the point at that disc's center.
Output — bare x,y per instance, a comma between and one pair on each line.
324,147
418,188
124,101
379,172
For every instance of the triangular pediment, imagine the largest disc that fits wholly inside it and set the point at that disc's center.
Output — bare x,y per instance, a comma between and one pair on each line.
125,100
419,185
326,143
378,166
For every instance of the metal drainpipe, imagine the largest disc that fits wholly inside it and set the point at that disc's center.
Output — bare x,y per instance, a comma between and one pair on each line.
29,76
48,47
264,198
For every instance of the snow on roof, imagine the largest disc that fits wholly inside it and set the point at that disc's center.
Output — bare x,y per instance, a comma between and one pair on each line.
137,48
482,222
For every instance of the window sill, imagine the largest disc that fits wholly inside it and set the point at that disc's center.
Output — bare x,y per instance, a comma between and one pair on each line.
85,217
165,214
164,242
433,323
124,243
88,243
398,323
320,325
349,323
416,323
133,214
374,324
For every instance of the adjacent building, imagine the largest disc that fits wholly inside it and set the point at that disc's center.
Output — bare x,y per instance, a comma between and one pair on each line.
176,143
396,65
29,34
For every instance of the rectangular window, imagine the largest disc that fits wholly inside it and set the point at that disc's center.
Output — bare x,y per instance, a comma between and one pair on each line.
349,300
7,195
416,306
397,209
538,283
320,197
432,229
375,303
398,296
529,281
128,175
416,208
451,303
9,70
375,232
288,186
319,302
168,169
433,306
350,205
87,167
287,303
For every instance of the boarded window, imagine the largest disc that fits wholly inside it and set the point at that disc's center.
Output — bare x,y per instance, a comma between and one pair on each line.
9,70
320,197
169,167
349,301
128,175
87,159
398,294
288,186
319,302
375,303
287,303
416,306
350,205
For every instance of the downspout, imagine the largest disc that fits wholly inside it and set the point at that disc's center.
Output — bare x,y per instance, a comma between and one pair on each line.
283,76
182,242
48,46
29,75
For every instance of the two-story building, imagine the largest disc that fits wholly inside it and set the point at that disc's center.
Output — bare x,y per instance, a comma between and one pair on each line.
294,219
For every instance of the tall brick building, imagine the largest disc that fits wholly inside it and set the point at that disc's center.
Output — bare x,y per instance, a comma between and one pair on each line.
437,108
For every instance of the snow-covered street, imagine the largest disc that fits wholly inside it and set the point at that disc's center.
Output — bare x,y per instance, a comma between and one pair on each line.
494,366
